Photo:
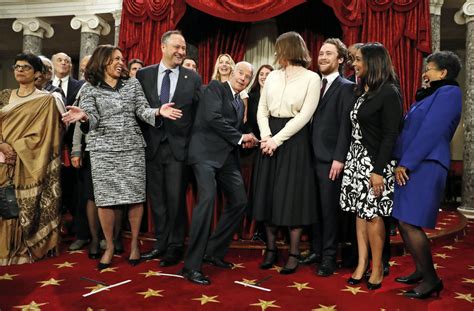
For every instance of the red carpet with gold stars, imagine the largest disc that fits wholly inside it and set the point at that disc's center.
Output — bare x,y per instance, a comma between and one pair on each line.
59,284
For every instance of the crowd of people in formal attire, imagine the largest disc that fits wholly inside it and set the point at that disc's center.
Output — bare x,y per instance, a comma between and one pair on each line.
329,154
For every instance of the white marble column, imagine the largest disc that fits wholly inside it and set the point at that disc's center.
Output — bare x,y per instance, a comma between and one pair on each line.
92,26
435,14
466,16
34,30
118,19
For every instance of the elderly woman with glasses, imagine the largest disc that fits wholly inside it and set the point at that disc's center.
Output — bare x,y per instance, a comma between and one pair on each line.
30,138
424,160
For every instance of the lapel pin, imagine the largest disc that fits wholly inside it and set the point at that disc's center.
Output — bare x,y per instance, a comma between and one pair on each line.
185,77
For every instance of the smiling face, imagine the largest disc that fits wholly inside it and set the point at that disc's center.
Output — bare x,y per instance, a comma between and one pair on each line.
241,76
328,61
224,66
114,66
174,50
433,73
262,76
359,65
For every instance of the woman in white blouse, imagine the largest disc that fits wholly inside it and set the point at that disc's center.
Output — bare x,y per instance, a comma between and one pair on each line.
283,183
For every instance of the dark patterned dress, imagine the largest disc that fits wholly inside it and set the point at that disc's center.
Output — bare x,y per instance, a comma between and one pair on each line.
356,194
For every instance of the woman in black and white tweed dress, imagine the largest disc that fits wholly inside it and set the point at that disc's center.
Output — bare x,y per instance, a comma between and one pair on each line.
109,105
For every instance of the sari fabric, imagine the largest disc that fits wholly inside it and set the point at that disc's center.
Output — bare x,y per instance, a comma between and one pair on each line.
33,128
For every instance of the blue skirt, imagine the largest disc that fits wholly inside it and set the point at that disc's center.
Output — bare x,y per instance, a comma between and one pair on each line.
417,203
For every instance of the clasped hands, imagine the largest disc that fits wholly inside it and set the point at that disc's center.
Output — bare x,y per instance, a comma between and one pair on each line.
268,146
249,141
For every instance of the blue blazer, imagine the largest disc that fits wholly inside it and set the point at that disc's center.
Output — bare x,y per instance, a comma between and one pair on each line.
429,127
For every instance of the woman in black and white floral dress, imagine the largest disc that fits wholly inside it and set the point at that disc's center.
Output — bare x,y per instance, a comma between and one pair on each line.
368,181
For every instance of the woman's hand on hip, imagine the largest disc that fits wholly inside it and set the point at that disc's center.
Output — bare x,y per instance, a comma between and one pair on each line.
376,182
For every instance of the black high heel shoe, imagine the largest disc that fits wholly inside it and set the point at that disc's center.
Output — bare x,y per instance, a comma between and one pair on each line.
372,286
94,252
271,257
102,266
437,288
118,246
286,270
353,281
409,279
134,262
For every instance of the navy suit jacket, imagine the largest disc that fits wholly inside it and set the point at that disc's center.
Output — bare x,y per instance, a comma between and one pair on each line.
186,98
429,127
218,126
331,126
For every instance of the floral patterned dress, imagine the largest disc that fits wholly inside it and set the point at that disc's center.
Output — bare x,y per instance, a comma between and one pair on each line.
356,194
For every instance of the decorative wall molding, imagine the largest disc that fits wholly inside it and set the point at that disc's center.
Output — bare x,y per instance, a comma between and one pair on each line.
91,23
435,6
465,14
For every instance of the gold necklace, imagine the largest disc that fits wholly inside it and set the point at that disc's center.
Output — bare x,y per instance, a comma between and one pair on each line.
23,96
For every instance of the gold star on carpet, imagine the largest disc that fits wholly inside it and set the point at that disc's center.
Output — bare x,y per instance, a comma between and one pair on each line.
33,306
238,265
151,273
325,308
393,263
97,287
441,255
276,268
436,266
439,228
65,264
265,304
79,251
467,297
471,281
402,291
51,281
251,282
205,299
450,247
110,269
8,277
442,223
300,286
353,290
471,267
151,293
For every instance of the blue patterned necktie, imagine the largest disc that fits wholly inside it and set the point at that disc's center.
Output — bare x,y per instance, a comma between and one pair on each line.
165,88
237,103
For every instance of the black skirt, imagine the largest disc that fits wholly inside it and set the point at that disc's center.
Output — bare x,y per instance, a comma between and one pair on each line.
284,184
86,178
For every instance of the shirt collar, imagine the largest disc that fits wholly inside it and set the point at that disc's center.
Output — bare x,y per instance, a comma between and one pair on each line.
331,77
231,89
162,68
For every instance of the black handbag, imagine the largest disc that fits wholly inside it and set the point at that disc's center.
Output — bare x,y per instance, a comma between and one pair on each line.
8,204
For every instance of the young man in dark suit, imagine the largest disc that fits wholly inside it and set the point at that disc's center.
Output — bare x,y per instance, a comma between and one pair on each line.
331,137
214,156
166,85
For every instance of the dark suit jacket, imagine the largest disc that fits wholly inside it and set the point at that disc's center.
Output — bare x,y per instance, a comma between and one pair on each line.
380,119
331,127
186,98
429,128
217,129
73,87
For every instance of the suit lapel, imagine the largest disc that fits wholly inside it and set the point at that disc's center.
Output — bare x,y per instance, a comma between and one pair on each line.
179,85
151,82
334,86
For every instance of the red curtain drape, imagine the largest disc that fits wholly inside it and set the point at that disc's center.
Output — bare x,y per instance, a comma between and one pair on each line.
403,26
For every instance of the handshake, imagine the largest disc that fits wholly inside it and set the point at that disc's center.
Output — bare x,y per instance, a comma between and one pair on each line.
249,141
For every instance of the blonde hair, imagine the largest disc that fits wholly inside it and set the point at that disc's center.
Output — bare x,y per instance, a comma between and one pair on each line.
216,75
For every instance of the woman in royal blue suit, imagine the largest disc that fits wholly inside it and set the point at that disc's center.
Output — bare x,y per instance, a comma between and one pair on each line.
424,159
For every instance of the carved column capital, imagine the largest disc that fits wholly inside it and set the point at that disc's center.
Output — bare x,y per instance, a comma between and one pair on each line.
465,14
117,14
435,7
91,24
33,27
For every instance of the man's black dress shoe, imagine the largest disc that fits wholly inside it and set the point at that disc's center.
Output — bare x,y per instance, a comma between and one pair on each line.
154,253
217,262
409,279
438,287
327,268
310,259
171,258
195,276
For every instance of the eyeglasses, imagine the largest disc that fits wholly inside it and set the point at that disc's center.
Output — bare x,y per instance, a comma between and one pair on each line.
428,69
22,67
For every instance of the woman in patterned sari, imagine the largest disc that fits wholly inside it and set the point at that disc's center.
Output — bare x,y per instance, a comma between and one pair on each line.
30,135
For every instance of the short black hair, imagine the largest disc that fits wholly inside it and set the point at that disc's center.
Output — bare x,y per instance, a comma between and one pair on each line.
32,59
135,61
446,60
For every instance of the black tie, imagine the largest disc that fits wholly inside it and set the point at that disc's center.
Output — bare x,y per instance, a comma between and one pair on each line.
60,84
323,87
165,88
237,104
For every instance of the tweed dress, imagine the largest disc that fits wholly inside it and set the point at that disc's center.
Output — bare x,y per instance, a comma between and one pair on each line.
115,141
